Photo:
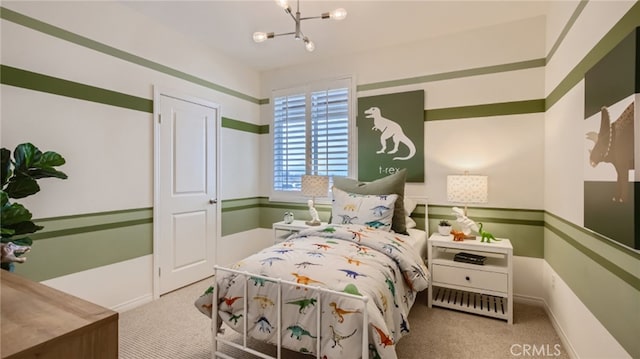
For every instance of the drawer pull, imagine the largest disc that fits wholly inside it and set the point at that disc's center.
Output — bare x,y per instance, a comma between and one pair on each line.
467,278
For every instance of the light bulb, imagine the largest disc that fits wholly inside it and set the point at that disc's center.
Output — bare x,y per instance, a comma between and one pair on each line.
338,14
283,4
259,36
309,45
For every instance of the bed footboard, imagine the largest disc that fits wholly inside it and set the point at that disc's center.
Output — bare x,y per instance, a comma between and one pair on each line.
217,337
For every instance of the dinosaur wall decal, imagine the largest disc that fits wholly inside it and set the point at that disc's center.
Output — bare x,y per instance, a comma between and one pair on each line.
390,130
614,144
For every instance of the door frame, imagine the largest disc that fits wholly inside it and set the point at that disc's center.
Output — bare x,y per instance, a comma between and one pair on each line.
157,93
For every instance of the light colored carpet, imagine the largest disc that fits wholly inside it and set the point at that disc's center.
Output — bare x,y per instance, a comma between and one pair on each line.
173,328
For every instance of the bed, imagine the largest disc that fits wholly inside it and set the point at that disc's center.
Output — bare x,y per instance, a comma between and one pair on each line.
340,290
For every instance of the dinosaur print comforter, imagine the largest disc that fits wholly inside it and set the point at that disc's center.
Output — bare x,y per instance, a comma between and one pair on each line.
346,258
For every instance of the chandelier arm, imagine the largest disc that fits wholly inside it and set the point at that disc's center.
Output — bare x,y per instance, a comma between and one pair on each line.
288,11
284,33
313,17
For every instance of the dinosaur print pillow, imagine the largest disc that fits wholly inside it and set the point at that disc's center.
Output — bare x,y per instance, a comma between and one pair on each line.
375,211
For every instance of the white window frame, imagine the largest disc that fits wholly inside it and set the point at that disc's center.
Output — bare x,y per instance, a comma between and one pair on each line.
348,82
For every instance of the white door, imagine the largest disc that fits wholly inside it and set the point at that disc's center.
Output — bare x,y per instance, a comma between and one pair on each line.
186,212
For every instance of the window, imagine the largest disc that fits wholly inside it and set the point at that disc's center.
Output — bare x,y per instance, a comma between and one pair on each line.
311,132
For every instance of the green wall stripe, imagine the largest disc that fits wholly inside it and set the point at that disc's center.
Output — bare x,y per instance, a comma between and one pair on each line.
88,229
101,214
244,126
585,232
607,264
567,27
514,66
39,82
620,30
34,81
60,33
493,109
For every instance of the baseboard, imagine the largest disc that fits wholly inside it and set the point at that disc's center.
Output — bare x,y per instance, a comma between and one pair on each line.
566,344
540,302
133,303
527,299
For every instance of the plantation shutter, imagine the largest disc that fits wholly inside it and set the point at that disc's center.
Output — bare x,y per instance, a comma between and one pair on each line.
329,142
310,136
289,142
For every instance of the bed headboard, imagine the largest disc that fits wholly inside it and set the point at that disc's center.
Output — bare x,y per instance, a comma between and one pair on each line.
422,222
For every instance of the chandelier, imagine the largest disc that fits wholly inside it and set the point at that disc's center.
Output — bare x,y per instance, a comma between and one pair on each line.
337,14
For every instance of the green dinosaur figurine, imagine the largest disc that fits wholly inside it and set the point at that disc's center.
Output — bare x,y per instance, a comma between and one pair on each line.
485,236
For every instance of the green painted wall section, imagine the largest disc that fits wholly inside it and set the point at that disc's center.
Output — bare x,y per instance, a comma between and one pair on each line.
605,276
72,244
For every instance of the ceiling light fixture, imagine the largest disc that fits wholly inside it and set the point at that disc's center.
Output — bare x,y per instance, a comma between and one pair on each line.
337,14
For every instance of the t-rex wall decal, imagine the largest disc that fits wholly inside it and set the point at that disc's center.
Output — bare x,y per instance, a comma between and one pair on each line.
614,144
389,129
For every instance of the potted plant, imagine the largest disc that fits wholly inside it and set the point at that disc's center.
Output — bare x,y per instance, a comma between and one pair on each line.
19,177
444,228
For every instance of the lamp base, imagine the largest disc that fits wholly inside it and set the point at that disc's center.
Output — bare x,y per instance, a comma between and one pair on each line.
313,223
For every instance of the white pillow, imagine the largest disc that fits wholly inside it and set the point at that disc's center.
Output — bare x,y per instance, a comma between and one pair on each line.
409,207
375,211
410,222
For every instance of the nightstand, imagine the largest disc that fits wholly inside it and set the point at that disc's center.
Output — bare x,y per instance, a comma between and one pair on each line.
282,230
485,289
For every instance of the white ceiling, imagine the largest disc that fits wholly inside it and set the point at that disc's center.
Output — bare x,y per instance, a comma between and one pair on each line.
228,26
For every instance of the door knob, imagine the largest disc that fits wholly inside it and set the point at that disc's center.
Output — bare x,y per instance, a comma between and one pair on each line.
213,201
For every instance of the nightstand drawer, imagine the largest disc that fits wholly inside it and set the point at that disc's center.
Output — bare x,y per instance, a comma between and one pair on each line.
469,278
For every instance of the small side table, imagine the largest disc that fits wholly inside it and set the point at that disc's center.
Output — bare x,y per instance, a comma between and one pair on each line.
481,289
282,230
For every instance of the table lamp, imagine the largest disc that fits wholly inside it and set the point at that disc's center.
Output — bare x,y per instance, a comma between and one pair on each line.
314,186
467,189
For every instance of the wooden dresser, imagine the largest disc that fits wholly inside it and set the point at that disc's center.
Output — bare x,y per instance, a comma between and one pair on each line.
41,322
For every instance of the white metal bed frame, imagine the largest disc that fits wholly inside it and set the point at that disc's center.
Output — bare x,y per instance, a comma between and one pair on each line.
217,336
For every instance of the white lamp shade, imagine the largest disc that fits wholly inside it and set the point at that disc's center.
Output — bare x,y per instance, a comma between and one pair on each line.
315,186
467,189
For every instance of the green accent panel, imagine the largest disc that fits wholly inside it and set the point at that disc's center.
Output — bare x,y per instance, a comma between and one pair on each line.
35,81
55,257
492,109
611,293
62,34
240,220
244,126
406,109
70,244
620,30
514,66
574,17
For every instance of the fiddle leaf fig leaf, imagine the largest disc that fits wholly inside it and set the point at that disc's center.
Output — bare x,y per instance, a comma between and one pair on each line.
22,186
5,167
50,159
4,199
25,155
24,228
14,213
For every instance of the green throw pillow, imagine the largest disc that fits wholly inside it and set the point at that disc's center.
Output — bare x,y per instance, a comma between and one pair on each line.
392,184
